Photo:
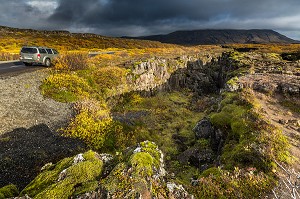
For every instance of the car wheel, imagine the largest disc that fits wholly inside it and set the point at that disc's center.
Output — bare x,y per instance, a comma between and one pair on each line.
27,64
48,62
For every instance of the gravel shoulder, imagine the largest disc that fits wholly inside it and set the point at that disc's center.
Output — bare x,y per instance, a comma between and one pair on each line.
28,136
22,104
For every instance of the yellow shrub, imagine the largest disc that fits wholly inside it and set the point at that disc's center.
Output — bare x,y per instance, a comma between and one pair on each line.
65,87
93,131
110,77
72,61
94,125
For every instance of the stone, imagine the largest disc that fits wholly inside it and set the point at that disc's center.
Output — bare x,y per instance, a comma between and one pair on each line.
78,158
177,191
203,129
196,157
106,158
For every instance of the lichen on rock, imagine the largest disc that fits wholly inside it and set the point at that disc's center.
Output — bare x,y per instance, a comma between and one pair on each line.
70,176
141,176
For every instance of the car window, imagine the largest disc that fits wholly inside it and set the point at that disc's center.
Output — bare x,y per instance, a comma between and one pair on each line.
43,51
55,51
49,51
29,50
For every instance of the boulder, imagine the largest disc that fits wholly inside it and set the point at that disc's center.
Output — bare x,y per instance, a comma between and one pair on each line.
204,129
136,178
66,178
197,157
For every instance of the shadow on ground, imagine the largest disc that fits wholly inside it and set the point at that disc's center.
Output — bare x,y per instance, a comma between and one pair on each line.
24,151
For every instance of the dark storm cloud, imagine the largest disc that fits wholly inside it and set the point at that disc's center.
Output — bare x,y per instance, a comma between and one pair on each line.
26,13
133,17
142,17
130,12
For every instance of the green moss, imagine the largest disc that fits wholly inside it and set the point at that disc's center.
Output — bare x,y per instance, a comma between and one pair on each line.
211,171
142,163
203,143
228,98
184,173
46,178
86,187
151,149
78,177
167,114
117,181
135,175
247,132
8,191
230,116
65,96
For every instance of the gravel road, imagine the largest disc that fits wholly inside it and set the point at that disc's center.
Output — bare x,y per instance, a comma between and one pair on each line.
22,104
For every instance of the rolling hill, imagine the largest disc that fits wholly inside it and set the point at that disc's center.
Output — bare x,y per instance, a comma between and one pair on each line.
11,40
229,36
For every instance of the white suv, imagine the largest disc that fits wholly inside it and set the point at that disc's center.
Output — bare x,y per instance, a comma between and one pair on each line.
37,55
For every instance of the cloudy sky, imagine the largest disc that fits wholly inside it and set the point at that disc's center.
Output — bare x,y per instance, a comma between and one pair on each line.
144,17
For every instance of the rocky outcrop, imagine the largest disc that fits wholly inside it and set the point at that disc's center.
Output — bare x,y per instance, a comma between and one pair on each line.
154,74
70,176
198,157
201,155
202,74
141,174
272,83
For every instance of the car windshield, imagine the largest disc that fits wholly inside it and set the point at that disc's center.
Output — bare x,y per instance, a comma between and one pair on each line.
29,50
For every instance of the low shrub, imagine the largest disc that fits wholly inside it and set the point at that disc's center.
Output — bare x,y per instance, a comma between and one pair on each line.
94,125
8,56
65,87
108,78
240,183
72,61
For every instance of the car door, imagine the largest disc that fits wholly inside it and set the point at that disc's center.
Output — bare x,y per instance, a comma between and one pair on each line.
43,53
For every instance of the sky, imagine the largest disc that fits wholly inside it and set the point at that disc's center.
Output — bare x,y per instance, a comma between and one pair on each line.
148,17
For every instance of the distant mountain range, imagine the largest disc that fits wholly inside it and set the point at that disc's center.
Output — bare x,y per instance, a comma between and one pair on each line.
226,36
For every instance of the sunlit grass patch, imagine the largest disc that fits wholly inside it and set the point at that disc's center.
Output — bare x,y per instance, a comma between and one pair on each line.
65,87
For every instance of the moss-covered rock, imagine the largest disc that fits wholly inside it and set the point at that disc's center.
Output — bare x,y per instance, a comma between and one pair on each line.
140,176
8,191
70,176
